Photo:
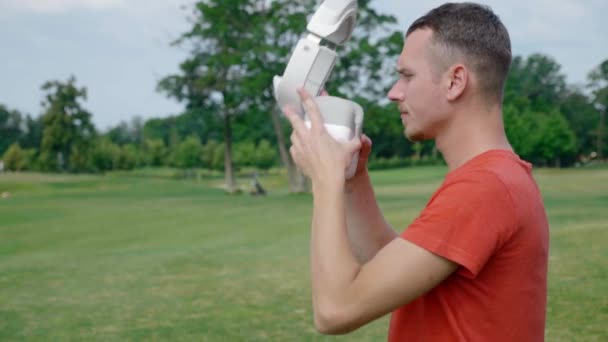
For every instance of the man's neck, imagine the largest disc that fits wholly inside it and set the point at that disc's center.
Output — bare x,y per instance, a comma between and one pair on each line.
471,134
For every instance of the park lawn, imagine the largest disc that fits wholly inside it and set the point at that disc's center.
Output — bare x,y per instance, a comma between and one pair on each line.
142,256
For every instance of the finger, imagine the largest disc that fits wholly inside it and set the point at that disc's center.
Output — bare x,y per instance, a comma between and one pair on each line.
295,140
324,93
366,147
365,140
353,145
294,155
294,119
311,109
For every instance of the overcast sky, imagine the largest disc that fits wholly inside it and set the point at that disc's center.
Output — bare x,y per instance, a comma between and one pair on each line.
119,49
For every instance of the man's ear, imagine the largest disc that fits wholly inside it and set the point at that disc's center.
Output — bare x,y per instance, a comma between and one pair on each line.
457,81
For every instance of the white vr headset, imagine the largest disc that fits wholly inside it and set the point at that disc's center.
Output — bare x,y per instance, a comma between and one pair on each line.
310,65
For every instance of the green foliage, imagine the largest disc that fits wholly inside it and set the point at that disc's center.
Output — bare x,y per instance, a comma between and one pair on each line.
535,83
10,127
244,154
545,139
556,141
212,155
30,159
127,158
13,158
104,156
154,152
67,127
127,133
262,156
598,83
188,153
265,155
583,118
80,160
522,129
547,122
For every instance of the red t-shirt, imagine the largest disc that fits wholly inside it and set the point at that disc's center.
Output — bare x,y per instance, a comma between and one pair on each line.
488,216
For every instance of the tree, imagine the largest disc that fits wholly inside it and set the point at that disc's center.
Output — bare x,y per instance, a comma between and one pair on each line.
32,136
556,140
67,126
583,118
598,83
220,42
535,83
127,133
13,158
11,122
522,128
542,115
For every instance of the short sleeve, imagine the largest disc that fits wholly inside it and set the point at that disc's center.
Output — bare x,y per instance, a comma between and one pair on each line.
466,221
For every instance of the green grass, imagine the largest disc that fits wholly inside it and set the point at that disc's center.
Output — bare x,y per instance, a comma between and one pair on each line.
142,256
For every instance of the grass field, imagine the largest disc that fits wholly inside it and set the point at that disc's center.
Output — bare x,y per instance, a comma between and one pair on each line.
141,256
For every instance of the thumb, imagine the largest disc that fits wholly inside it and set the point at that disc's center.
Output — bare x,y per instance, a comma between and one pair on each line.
353,145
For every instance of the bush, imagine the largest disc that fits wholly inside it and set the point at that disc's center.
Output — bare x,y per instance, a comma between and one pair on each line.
127,157
247,154
212,155
13,158
30,161
187,155
155,152
105,156
265,155
244,154
80,159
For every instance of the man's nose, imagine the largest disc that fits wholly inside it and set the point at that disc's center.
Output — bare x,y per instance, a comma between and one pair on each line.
395,94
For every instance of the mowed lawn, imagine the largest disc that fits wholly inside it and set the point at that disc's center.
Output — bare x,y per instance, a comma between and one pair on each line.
141,256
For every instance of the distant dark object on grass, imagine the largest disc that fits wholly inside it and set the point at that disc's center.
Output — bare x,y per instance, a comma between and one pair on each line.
258,189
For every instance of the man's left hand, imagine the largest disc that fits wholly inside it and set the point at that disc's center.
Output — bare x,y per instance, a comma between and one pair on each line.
314,151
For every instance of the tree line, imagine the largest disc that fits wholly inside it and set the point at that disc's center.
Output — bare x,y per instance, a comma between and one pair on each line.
230,119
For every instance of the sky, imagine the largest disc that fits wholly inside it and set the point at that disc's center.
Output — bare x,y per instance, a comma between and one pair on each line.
119,49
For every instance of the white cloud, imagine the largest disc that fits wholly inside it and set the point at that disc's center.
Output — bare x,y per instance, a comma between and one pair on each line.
57,6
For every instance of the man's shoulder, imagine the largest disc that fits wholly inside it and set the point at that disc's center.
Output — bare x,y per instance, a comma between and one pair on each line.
493,166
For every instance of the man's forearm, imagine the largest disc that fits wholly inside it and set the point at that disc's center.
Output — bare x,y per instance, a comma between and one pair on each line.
368,231
333,262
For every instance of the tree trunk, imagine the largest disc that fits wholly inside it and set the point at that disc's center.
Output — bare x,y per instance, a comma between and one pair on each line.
303,183
600,136
228,169
297,181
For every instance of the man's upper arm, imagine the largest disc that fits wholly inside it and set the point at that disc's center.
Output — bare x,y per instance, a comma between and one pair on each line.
399,273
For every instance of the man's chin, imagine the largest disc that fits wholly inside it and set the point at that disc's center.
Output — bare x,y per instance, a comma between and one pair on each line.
414,136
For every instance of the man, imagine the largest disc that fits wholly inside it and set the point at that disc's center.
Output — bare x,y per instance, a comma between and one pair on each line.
473,265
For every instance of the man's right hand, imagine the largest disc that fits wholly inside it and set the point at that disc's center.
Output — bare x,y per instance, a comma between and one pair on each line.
366,148
364,152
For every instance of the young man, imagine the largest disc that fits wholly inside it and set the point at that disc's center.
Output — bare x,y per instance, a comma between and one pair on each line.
473,265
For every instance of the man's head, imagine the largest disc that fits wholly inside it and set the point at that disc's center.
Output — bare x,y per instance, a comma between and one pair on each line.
456,53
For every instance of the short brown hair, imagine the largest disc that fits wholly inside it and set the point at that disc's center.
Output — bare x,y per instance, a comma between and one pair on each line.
477,34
